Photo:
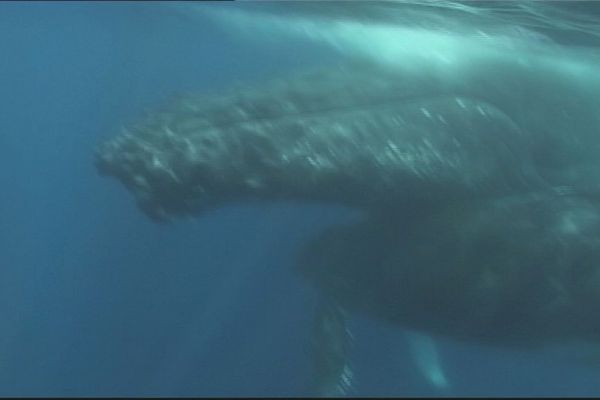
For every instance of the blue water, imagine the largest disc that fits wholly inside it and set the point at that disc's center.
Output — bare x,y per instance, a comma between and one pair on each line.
97,300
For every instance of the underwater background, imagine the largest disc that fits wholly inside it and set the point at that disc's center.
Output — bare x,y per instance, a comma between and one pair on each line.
97,300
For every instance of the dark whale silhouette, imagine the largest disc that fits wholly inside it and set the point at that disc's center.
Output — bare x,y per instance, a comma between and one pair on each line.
519,271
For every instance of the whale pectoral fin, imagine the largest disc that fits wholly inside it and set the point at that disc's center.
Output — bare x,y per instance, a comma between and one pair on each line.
423,350
331,347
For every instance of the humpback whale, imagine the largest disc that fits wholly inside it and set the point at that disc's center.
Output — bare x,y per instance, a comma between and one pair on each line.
473,156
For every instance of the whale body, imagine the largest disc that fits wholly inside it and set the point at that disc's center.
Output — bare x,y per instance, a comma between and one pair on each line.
519,271
473,156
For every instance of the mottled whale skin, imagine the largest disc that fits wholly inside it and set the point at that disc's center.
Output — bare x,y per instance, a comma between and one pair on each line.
340,136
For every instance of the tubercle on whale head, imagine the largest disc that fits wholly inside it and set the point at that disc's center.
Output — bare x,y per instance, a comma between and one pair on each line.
172,172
